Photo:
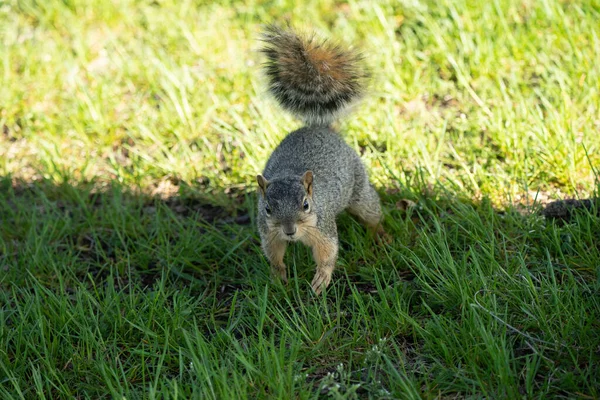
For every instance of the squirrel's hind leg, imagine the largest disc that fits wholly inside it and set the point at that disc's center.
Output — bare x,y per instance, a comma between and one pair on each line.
366,207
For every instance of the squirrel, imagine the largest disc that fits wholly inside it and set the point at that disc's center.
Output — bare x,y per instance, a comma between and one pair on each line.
313,174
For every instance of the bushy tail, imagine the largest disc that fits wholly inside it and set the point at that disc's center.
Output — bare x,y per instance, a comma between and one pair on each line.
314,80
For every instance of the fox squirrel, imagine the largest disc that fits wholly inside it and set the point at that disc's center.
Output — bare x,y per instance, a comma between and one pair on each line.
313,175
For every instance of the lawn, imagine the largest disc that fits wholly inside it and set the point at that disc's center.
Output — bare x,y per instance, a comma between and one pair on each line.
130,263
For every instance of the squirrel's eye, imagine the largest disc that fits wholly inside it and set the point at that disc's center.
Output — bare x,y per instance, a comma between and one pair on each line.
268,209
306,206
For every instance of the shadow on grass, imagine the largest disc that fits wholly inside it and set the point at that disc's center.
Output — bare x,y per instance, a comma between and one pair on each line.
95,232
210,241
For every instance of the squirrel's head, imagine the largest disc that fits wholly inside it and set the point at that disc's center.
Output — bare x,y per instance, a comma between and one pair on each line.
287,205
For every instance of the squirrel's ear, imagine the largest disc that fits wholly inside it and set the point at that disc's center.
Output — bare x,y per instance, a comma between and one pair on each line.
307,180
262,184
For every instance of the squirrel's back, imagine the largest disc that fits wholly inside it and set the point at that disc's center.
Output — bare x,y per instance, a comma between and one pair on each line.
314,80
336,166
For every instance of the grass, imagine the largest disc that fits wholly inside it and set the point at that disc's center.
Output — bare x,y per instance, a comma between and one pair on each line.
130,264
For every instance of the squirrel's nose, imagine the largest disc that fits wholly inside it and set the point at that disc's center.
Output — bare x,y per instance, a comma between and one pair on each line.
290,230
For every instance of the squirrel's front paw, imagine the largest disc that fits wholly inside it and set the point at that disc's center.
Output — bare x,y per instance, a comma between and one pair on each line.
382,237
320,281
280,272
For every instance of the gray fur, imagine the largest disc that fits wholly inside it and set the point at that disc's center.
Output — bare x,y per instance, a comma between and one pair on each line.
340,179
